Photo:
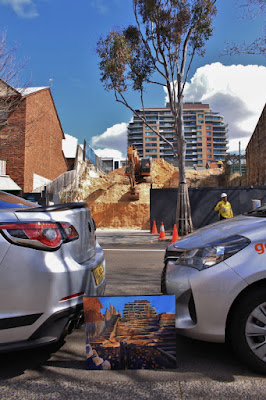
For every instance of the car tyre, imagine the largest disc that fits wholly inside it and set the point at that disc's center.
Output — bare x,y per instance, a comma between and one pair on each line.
247,331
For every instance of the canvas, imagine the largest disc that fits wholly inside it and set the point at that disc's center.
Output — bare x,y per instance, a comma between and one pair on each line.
130,332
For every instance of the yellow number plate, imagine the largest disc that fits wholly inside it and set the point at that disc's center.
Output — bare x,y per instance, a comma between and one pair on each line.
98,274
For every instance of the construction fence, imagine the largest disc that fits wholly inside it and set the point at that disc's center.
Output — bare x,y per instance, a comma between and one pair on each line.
202,200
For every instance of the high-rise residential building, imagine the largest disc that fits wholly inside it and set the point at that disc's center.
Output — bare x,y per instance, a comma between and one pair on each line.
139,309
205,133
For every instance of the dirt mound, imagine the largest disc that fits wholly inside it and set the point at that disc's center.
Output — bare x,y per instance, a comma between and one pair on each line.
108,195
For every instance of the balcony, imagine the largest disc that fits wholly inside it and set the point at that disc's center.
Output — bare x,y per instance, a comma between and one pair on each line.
134,137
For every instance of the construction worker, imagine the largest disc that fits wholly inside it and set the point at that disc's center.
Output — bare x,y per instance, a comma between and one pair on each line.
224,208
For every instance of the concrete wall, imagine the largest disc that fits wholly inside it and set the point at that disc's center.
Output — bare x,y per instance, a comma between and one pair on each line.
203,201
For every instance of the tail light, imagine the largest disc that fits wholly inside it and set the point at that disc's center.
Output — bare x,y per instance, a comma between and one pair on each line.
70,231
39,235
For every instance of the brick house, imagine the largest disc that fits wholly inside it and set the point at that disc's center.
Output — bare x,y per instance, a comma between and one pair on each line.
31,138
256,153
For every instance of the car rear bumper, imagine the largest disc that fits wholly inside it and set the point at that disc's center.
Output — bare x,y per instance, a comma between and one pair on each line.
57,326
43,287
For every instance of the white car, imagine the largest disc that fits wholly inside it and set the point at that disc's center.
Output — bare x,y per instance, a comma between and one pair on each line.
49,259
218,275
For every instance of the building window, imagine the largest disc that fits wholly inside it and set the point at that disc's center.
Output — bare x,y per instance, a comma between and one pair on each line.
150,133
201,122
209,150
200,115
198,126
209,144
208,127
208,133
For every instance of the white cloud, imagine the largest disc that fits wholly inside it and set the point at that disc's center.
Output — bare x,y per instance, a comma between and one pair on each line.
109,153
100,6
23,8
235,91
114,137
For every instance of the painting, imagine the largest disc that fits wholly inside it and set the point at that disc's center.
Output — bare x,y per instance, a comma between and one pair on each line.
130,332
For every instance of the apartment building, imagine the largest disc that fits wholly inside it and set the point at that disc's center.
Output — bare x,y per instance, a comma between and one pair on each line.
205,133
139,309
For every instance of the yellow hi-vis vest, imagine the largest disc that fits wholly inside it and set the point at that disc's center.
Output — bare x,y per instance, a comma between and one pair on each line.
225,209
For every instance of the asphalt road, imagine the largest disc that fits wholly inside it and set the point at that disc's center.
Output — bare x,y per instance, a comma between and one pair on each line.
205,370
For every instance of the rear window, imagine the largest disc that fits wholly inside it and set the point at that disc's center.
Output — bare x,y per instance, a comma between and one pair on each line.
10,201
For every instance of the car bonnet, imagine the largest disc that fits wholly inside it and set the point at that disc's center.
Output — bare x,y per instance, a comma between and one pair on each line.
240,225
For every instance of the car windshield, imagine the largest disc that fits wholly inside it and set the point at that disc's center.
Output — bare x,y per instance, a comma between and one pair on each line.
10,201
258,212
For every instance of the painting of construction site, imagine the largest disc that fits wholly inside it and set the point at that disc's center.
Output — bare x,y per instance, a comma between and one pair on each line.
130,332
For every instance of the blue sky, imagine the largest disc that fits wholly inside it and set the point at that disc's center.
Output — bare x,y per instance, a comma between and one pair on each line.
59,39
161,303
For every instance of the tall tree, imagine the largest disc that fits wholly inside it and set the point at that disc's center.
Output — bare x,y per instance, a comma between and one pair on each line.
159,49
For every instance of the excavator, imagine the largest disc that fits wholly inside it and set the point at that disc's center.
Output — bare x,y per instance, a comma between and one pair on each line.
137,170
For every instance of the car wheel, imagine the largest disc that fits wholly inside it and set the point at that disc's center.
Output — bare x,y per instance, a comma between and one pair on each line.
247,331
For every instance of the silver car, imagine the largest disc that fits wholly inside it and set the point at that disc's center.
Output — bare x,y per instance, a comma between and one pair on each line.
218,275
49,259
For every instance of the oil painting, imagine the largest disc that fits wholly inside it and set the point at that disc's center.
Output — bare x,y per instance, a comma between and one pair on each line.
130,332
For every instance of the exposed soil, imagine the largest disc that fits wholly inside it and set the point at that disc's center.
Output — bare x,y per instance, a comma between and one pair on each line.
108,195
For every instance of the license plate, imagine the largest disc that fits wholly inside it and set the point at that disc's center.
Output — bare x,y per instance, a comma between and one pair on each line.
98,274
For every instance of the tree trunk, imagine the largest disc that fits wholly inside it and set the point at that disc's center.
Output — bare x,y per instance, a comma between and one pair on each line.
183,211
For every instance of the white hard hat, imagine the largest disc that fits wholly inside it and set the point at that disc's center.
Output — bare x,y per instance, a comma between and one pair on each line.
223,195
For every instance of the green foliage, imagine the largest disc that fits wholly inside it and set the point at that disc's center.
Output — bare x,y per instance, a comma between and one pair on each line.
124,60
165,31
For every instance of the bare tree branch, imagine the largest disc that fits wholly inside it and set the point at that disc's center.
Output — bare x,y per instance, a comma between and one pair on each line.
251,9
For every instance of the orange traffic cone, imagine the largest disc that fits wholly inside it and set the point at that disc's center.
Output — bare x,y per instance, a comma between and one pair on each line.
175,236
162,232
154,229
